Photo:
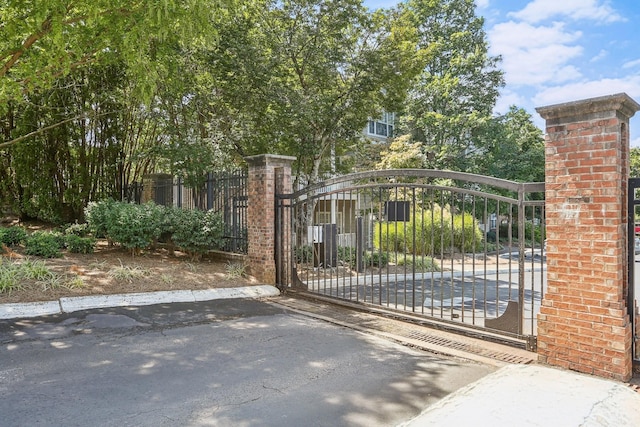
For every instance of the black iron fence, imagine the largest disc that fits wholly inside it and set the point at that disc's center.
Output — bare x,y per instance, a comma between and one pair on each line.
223,192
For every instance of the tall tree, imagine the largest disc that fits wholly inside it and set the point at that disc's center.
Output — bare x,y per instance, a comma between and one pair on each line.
41,41
509,146
305,75
459,84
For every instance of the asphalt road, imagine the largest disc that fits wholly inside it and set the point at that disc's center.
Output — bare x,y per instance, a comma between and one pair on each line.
218,363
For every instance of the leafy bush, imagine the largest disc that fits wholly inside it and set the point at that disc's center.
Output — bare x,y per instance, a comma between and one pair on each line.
12,235
99,215
304,254
347,255
422,264
81,230
44,243
376,259
530,231
135,227
79,245
428,233
197,232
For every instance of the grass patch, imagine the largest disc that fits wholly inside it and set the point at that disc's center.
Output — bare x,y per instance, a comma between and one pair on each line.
235,270
126,273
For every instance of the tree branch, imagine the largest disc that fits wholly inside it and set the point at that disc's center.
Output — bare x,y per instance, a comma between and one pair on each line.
46,128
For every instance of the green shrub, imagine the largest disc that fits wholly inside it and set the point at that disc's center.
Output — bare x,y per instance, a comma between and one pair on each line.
45,244
99,215
11,236
304,254
135,227
422,264
428,233
466,236
81,230
531,232
196,231
79,245
376,259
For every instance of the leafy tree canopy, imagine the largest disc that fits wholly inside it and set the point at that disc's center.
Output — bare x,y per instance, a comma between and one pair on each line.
41,41
459,83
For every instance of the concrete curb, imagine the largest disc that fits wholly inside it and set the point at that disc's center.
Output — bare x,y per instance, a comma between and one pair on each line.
71,304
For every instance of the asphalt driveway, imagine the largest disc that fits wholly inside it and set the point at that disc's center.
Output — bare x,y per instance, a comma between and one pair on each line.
237,362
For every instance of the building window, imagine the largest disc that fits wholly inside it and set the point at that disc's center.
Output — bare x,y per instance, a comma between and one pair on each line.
383,127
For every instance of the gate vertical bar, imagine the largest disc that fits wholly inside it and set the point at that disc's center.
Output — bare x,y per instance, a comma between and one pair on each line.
521,261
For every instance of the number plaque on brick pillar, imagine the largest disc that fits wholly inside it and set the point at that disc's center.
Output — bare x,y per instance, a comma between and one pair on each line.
583,323
268,175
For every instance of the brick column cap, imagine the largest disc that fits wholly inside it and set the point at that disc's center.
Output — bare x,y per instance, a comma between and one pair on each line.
618,102
269,159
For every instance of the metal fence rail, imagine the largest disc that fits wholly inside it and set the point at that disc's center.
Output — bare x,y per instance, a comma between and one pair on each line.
460,248
224,192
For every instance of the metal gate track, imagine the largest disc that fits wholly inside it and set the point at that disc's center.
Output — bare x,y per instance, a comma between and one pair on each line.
413,335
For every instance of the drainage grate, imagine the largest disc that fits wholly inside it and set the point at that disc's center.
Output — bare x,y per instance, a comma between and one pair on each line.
374,322
468,348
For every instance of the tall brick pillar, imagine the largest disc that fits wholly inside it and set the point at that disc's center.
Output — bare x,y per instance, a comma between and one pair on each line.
268,175
583,323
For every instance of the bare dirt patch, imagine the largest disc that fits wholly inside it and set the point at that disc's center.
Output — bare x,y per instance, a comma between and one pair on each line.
113,270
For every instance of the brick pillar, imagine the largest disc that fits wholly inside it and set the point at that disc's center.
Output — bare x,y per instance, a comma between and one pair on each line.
583,323
268,175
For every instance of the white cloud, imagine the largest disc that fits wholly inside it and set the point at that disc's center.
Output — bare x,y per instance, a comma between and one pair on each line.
482,4
631,64
595,10
600,56
588,89
536,55
506,100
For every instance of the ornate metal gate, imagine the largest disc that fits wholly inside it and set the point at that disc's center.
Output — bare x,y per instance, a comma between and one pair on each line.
463,250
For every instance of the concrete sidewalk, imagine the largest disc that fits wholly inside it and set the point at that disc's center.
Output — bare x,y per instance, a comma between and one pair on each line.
534,395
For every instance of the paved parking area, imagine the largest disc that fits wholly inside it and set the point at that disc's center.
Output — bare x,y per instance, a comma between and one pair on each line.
238,362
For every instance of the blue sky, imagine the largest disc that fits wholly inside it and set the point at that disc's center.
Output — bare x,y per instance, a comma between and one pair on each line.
557,51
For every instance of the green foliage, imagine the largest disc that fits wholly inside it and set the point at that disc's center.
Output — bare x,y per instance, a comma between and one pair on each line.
421,264
376,259
510,147
45,244
304,254
429,232
347,255
197,232
34,270
235,270
81,230
532,233
9,277
634,159
99,215
79,245
459,84
320,66
14,235
135,227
